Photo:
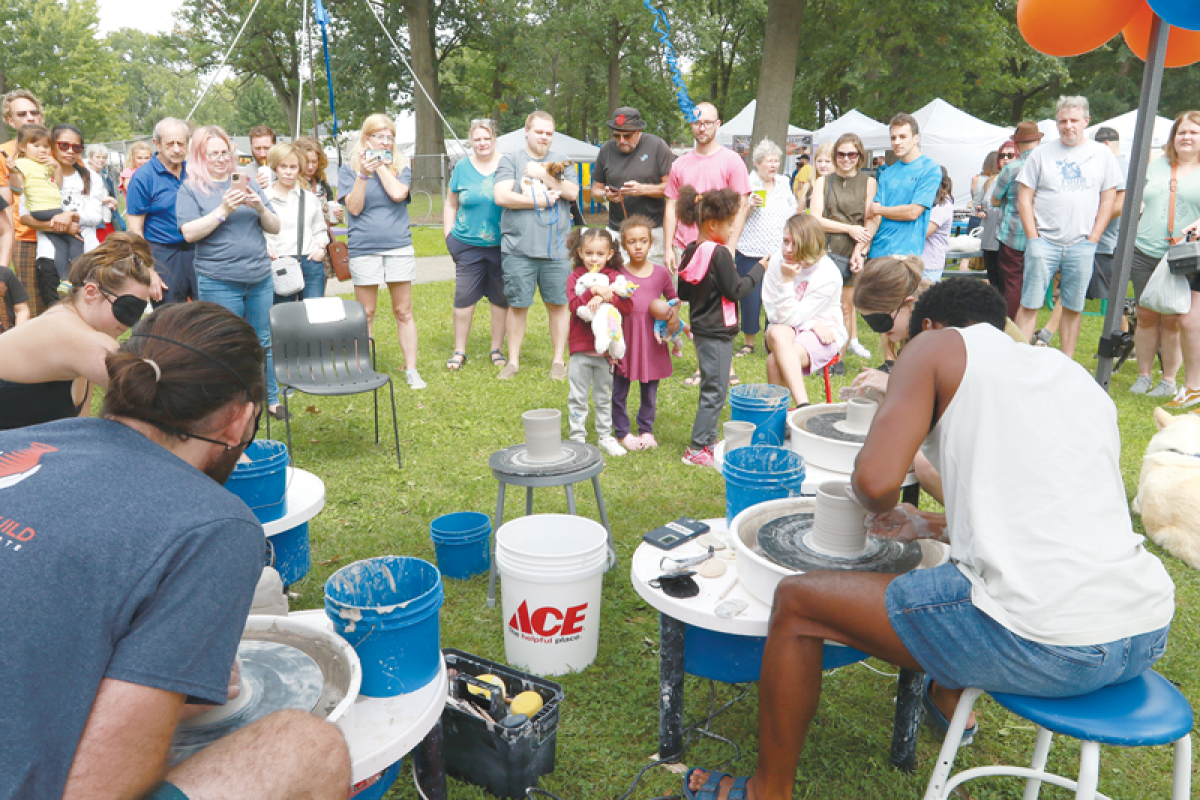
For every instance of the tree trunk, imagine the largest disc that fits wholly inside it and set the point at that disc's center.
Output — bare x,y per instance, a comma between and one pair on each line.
614,67
777,74
430,144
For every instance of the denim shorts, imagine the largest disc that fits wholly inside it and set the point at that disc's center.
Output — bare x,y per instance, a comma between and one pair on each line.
1043,259
960,646
522,275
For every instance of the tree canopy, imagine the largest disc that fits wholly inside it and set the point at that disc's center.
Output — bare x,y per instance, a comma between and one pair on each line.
578,59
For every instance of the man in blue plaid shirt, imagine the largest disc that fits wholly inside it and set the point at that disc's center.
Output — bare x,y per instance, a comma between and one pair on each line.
1011,233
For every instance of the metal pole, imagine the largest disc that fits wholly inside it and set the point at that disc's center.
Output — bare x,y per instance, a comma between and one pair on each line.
299,77
312,85
1112,340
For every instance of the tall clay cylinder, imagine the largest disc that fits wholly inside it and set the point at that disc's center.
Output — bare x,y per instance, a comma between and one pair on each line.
859,414
543,434
838,527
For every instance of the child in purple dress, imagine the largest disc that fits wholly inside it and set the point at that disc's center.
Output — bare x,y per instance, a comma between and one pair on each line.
646,360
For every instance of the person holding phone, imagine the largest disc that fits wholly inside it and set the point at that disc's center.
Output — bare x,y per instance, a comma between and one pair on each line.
374,188
226,217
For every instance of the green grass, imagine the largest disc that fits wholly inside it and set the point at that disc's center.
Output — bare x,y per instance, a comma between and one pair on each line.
609,718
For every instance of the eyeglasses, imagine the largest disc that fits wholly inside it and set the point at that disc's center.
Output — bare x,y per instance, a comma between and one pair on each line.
705,123
851,154
69,147
881,322
247,443
382,137
127,308
223,155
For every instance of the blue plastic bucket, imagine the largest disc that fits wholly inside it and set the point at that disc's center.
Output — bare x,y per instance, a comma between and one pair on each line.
290,554
387,609
262,483
766,406
760,473
462,543
730,658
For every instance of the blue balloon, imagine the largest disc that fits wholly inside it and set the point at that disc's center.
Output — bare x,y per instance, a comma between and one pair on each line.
690,113
1180,13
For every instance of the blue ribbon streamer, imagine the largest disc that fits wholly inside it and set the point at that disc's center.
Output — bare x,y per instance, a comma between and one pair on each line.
662,27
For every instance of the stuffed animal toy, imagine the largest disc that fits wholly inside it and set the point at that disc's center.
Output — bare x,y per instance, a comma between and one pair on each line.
605,320
1168,495
676,341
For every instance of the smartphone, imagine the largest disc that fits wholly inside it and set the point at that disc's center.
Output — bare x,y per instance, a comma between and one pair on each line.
236,180
675,533
384,156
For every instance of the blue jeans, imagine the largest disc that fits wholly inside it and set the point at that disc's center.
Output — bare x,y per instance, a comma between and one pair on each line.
960,646
252,302
751,303
314,282
1043,259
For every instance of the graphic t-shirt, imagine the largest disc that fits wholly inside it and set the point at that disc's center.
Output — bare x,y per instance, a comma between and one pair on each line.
903,184
1068,182
99,583
646,163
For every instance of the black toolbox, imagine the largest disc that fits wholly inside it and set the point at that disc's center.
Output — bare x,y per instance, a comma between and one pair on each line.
504,761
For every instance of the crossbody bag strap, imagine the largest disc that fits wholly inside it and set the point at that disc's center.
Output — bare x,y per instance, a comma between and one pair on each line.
300,224
828,192
1171,238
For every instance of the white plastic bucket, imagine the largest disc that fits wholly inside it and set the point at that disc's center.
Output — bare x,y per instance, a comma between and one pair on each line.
552,572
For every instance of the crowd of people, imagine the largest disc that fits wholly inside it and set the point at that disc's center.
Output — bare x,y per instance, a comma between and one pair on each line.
185,393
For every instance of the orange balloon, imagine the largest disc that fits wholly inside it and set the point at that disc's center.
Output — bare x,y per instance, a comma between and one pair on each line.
1183,47
1072,27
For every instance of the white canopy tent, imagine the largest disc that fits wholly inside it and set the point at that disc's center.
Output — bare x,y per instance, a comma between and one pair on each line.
874,135
959,142
735,134
568,146
1123,125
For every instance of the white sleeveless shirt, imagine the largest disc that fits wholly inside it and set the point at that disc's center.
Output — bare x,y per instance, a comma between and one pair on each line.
1029,453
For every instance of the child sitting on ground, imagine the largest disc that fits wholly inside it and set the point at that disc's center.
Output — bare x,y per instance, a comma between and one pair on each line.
708,279
802,294
43,195
591,249
646,358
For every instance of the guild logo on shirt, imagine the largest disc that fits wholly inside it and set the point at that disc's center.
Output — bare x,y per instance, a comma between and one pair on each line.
1072,175
21,464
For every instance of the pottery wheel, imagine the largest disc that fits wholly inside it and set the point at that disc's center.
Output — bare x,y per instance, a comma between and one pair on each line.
274,677
515,460
825,425
787,541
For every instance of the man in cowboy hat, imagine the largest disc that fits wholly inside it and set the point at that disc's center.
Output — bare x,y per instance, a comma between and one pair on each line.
1011,234
631,174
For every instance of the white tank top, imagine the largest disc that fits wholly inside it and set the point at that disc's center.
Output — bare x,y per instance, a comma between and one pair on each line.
1029,453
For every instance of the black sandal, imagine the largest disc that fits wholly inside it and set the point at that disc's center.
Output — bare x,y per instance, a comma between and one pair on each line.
498,359
747,350
456,361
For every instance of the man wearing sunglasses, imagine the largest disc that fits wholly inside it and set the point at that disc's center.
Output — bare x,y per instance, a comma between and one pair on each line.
631,173
144,596
20,107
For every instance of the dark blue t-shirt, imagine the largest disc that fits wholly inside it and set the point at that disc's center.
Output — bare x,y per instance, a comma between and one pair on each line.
152,193
117,560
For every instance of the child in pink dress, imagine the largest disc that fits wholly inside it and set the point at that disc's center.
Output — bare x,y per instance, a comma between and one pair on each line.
646,360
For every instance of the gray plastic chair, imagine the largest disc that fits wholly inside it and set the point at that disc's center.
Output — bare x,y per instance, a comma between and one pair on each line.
330,358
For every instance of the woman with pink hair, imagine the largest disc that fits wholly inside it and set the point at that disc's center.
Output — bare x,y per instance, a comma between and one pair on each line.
224,213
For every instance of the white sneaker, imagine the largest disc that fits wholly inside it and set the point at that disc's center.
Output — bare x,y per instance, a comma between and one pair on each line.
610,445
857,349
413,379
1141,385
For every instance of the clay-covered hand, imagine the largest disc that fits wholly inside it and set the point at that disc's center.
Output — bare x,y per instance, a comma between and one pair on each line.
871,379
824,333
904,523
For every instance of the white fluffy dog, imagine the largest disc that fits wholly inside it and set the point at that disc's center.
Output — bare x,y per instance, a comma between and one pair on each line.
1168,495
605,320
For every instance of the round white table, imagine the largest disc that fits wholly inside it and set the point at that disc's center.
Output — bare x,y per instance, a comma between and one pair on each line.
676,614
382,730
